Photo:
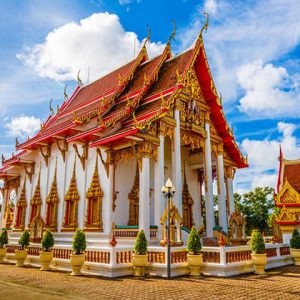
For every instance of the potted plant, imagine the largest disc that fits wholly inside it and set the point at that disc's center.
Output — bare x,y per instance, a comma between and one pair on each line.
77,259
46,255
21,254
3,243
259,256
140,256
295,246
194,258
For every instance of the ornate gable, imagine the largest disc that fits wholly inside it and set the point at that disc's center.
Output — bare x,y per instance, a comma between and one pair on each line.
287,196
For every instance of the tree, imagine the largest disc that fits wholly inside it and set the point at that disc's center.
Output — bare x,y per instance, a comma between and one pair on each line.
257,206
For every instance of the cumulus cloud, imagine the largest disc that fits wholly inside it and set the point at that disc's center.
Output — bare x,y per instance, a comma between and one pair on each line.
269,91
263,157
23,126
242,32
96,45
210,6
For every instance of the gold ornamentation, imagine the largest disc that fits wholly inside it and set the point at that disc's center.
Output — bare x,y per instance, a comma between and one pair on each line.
29,172
50,107
286,215
72,198
21,209
46,155
66,97
193,140
63,150
36,200
84,156
175,226
52,201
287,195
94,195
79,81
133,198
187,204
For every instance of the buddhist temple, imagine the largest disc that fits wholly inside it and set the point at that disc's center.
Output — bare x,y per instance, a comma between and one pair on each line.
100,160
287,198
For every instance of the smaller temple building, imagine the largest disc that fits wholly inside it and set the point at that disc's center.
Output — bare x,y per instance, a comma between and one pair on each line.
287,198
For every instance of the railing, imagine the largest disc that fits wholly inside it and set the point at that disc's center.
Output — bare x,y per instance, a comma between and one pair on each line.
238,256
123,257
156,257
285,251
211,256
132,231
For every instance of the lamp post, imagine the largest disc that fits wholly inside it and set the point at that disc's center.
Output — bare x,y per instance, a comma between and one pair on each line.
168,191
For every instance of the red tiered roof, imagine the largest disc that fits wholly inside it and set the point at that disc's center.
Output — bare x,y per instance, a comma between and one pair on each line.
114,107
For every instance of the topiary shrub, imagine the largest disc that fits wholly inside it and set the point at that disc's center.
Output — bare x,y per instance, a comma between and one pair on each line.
47,241
140,246
3,238
194,243
24,239
295,240
257,243
79,242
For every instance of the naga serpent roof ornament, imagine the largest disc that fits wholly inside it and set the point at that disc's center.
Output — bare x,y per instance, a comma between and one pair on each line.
79,81
205,26
66,97
172,36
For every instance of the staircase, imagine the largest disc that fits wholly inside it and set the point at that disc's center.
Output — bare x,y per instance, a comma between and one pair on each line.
210,242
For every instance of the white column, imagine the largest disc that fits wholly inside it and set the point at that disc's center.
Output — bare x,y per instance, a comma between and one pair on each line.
221,194
176,164
107,206
209,201
159,182
230,194
144,207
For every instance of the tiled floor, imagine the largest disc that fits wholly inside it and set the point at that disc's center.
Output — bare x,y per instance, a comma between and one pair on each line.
30,283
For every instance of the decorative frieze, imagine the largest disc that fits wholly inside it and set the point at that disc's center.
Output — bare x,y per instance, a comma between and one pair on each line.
193,140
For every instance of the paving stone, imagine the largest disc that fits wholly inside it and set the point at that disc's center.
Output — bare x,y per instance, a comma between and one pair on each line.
30,283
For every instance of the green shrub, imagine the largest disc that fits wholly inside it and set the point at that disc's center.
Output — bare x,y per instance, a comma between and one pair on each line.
194,243
257,242
47,241
140,246
3,238
295,240
79,242
24,239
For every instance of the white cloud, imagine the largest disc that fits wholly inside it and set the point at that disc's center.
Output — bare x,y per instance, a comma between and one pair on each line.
23,126
269,91
263,157
242,32
210,6
98,43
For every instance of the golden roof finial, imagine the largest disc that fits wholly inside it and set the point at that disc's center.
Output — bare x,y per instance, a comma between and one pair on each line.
172,36
50,107
148,36
17,142
79,81
205,26
65,93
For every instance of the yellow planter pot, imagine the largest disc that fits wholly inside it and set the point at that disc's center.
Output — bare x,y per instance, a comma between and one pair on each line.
20,256
139,262
45,259
259,261
77,261
195,263
296,255
2,254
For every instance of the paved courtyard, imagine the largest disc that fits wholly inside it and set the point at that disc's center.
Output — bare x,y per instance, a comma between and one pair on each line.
30,283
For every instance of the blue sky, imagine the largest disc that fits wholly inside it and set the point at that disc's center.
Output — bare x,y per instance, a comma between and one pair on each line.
253,48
